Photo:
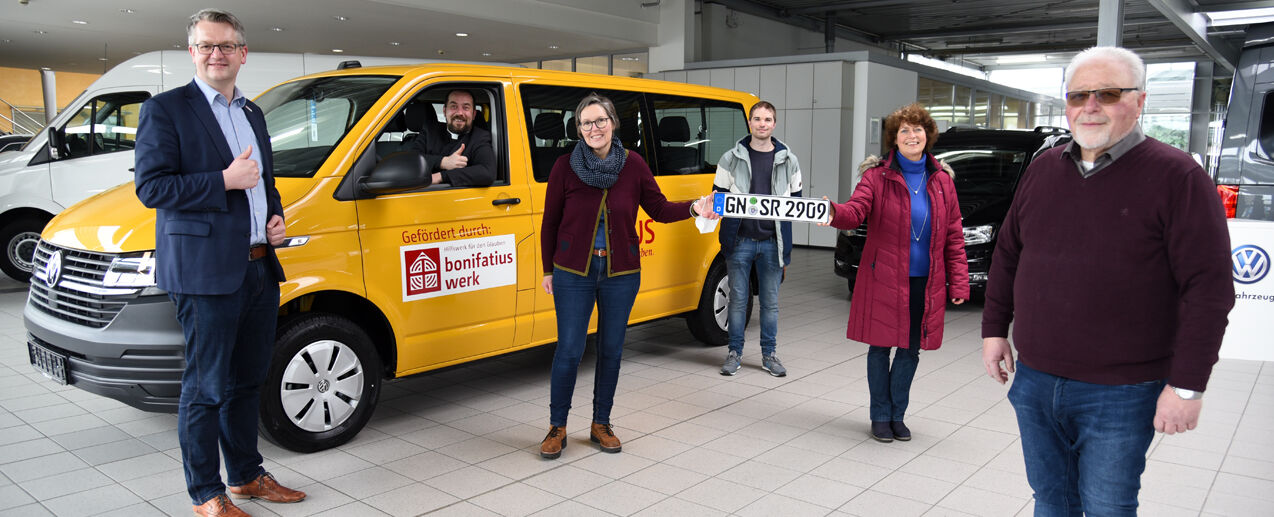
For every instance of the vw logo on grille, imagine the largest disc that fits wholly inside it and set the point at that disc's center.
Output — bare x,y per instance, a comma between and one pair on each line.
53,269
323,385
1251,264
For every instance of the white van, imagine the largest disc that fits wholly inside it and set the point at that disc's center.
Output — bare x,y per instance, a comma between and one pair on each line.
92,139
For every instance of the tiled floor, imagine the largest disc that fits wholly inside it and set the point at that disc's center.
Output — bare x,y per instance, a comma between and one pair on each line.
464,441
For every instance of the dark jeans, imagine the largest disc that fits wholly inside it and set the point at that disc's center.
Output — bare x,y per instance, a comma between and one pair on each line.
573,298
765,255
229,339
1085,444
891,387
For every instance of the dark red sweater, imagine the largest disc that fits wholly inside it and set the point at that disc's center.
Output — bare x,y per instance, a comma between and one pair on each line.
571,210
1118,278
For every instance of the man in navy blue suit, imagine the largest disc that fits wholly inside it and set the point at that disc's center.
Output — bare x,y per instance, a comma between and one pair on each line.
203,162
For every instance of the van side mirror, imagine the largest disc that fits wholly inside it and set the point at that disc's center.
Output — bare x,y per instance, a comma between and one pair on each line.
57,143
399,172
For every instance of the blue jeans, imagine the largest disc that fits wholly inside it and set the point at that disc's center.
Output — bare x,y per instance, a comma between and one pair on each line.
229,340
573,297
765,255
891,387
1085,444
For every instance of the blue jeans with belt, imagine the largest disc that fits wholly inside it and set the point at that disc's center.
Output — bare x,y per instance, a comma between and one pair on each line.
765,256
573,298
1085,444
229,340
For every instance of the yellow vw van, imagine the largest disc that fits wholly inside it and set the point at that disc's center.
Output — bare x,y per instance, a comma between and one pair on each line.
387,276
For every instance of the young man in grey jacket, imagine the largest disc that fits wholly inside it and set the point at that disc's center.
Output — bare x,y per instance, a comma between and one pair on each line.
758,164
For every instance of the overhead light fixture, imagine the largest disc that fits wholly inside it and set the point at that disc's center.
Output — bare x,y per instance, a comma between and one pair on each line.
38,31
1021,59
486,54
1241,16
276,29
462,34
554,47
629,58
79,22
127,11
395,43
340,18
101,59
338,50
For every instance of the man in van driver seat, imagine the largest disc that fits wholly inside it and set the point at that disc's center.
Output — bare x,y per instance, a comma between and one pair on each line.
461,154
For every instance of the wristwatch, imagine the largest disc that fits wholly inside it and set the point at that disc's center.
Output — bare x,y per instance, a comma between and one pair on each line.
1186,394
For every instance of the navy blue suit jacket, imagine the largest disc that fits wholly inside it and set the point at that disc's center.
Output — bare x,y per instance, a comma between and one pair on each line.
201,230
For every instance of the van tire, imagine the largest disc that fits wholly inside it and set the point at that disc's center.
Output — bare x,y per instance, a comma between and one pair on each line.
708,321
312,356
20,237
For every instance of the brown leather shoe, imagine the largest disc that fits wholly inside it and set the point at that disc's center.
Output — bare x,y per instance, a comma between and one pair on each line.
602,435
553,443
219,506
265,487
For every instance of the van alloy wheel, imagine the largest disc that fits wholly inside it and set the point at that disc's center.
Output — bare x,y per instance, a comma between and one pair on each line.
322,386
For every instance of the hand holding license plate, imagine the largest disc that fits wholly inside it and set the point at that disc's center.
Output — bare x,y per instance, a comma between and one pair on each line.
777,208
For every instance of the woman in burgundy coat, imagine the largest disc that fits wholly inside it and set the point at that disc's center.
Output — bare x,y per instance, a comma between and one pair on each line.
912,263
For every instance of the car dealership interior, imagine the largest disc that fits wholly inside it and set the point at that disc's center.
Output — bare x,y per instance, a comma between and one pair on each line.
458,421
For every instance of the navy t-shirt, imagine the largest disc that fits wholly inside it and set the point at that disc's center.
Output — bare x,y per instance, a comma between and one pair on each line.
762,172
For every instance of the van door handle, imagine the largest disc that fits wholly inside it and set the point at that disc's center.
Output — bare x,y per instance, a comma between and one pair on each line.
506,201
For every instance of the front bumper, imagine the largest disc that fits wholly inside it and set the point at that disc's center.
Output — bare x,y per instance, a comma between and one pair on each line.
137,359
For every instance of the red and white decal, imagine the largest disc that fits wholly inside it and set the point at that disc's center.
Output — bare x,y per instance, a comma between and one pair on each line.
450,267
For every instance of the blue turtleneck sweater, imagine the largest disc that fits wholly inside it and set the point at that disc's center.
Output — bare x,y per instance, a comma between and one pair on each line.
921,228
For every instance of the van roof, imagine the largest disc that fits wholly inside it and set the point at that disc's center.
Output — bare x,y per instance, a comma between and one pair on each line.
616,81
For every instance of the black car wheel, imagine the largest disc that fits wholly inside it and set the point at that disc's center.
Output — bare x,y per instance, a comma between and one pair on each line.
709,322
323,383
20,238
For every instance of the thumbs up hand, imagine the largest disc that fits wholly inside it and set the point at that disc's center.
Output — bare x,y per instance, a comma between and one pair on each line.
455,160
243,173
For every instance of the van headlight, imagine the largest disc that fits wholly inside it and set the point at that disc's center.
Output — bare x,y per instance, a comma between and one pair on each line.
978,234
133,272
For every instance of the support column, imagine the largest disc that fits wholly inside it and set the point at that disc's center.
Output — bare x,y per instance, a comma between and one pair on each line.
1110,23
676,36
48,83
1201,107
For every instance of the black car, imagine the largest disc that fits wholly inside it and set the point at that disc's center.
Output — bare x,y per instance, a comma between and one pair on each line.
987,164
12,142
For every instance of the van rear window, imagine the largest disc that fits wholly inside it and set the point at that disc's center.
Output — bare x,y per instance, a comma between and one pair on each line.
306,119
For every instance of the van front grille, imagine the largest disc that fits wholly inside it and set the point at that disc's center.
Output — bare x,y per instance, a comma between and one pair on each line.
77,293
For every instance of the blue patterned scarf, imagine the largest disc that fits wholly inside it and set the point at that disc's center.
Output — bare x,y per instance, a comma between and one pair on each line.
597,172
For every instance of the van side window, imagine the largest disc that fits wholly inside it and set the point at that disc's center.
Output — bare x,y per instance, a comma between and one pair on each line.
106,124
694,133
550,119
421,126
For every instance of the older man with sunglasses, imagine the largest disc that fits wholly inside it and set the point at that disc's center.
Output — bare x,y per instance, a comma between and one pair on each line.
1113,264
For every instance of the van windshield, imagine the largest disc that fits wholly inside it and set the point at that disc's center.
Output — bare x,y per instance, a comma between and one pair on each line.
306,119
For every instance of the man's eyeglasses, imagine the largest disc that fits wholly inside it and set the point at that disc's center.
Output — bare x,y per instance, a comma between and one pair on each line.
1079,98
600,123
226,48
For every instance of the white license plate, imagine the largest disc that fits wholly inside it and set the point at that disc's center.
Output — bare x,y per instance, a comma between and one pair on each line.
777,208
48,362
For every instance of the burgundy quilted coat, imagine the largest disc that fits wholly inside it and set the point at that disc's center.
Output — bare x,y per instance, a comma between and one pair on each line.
878,314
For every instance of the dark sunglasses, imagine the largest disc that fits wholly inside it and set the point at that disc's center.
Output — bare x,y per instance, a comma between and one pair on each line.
1104,96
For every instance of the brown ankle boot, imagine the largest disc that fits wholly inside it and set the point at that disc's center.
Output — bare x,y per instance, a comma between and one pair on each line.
553,444
605,437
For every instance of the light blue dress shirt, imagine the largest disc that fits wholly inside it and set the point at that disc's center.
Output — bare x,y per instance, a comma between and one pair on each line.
239,135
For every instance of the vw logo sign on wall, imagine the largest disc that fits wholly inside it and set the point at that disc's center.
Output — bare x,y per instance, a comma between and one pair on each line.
1251,264
53,269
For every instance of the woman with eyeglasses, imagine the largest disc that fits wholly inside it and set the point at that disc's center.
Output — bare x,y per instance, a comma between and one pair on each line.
912,263
591,255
